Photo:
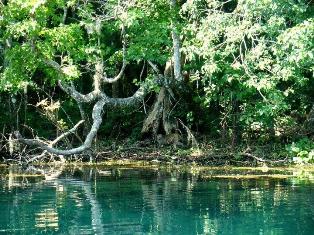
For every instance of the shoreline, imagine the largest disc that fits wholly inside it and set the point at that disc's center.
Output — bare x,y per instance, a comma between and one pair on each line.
133,163
204,156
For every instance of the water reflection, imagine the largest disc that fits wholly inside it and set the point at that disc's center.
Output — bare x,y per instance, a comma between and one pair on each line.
47,218
131,201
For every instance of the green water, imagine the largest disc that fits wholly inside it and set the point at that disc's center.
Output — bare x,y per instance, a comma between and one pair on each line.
115,200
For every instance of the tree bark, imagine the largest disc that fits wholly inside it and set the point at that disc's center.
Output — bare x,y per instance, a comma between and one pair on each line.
159,118
176,46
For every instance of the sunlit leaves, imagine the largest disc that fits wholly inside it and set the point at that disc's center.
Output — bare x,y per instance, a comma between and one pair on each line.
149,32
65,38
297,45
252,50
23,63
32,32
27,29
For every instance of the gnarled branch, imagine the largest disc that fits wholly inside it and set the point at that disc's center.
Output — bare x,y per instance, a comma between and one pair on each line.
65,134
71,90
97,120
133,100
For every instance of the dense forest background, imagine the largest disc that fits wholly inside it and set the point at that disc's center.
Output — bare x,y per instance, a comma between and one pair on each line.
231,73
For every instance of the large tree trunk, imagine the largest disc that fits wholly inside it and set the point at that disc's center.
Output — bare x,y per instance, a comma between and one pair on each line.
159,119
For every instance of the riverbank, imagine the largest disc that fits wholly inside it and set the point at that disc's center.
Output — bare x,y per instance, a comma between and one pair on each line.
204,154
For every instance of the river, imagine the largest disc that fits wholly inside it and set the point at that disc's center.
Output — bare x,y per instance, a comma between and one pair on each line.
156,200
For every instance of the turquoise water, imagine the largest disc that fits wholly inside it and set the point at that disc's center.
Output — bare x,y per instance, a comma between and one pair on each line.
140,201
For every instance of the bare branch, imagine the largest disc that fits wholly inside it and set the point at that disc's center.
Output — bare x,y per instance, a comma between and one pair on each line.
97,120
70,90
261,159
135,99
65,134
124,62
155,68
176,47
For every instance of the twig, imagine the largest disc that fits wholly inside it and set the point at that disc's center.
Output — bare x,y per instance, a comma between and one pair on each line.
261,159
65,134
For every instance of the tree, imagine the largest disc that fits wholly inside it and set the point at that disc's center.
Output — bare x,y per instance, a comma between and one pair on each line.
252,58
249,64
41,39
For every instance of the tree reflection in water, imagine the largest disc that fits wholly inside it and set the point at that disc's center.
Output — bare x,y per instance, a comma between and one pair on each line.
128,201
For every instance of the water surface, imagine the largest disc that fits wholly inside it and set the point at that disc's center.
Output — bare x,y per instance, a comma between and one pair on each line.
119,200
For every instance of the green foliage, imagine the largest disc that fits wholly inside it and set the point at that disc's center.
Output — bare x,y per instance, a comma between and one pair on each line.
256,59
32,32
295,52
301,151
250,63
149,32
16,76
